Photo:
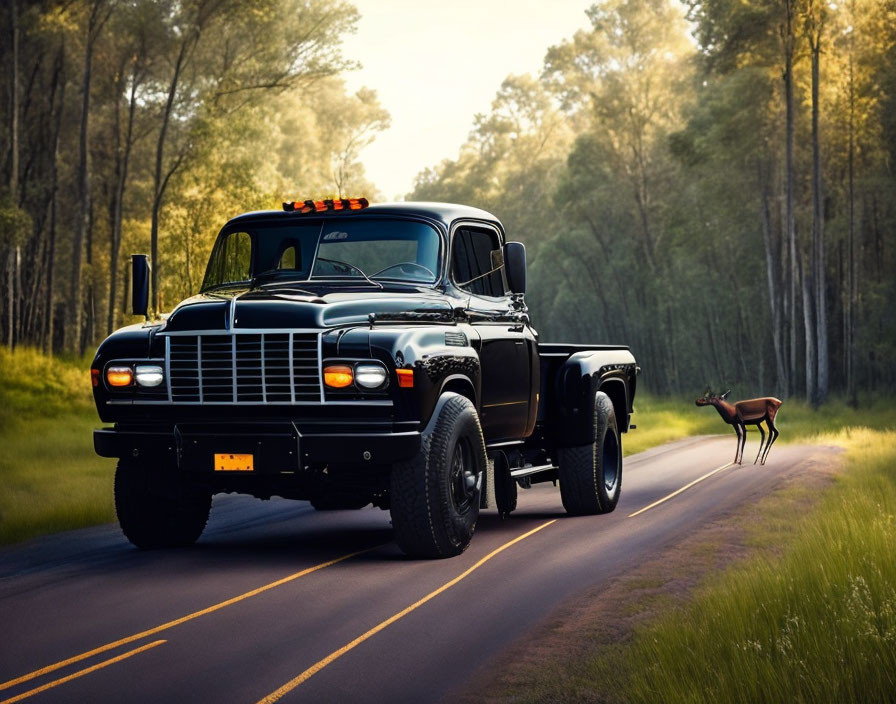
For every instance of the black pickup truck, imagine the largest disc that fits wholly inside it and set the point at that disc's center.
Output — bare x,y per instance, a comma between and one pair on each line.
349,354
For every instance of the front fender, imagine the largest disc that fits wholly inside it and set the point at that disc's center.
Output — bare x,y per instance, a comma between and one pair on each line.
438,367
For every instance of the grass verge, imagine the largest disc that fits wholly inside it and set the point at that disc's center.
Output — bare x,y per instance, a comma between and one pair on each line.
816,624
50,478
806,612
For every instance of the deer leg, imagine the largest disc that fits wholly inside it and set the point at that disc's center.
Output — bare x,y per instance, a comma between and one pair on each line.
761,441
773,435
741,431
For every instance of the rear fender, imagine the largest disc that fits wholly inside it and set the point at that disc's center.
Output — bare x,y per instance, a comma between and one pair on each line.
576,382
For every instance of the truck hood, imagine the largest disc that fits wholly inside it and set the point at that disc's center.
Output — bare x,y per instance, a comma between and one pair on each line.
255,309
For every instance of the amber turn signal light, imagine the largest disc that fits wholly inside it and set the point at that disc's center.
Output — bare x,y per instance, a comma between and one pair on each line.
405,378
95,377
119,376
338,376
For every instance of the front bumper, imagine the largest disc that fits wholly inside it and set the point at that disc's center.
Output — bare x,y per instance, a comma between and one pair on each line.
278,448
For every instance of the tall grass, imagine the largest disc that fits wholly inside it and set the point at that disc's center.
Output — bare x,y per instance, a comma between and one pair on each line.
50,477
817,624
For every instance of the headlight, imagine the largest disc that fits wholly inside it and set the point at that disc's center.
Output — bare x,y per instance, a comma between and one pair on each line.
149,375
370,376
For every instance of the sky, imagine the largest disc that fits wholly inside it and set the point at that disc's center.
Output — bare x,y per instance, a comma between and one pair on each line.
435,64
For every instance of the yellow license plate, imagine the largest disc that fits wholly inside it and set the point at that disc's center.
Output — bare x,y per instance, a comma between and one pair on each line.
234,463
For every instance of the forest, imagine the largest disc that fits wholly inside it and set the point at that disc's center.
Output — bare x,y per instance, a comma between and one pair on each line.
711,183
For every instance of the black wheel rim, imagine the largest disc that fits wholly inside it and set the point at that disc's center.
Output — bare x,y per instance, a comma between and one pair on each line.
611,462
463,478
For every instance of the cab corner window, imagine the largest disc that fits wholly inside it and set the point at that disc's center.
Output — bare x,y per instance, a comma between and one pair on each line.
231,260
476,262
288,258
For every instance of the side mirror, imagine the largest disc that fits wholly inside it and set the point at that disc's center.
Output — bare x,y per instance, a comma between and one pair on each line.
140,284
515,266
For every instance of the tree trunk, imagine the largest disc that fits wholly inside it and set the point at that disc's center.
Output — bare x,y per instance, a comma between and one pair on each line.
809,329
159,180
790,221
851,393
88,333
10,297
818,248
14,253
771,270
17,258
73,337
14,103
121,174
58,80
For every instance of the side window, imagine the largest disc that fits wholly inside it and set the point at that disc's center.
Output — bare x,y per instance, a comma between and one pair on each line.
476,262
231,260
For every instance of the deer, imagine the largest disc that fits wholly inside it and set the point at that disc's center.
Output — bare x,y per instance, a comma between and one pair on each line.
743,413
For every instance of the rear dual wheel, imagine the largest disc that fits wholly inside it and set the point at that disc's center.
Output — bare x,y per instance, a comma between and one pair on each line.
591,475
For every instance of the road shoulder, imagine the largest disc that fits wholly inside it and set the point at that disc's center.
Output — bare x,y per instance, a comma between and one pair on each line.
541,666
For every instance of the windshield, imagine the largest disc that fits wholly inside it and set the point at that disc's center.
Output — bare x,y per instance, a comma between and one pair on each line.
372,250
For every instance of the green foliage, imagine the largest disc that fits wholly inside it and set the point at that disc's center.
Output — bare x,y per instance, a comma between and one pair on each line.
197,111
15,224
33,385
659,220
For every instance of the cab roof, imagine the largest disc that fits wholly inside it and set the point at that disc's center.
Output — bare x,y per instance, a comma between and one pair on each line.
444,213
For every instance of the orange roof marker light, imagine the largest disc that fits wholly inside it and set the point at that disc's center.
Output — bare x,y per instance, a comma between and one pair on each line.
322,206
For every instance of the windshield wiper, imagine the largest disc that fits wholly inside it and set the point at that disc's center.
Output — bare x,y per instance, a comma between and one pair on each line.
271,273
351,266
226,284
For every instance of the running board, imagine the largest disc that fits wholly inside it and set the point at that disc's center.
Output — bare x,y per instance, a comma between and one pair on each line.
526,471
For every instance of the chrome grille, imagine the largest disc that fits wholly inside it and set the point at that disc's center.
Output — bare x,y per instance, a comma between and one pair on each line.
258,367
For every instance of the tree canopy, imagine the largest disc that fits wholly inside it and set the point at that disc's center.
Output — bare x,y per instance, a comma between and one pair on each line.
714,186
132,125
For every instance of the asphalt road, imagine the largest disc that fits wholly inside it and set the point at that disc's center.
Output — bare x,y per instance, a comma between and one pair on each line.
267,603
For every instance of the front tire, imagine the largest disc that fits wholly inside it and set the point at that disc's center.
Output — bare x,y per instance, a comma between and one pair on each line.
591,475
152,517
435,496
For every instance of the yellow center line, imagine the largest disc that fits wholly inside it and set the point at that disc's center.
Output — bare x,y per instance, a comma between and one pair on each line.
320,665
685,487
81,673
179,621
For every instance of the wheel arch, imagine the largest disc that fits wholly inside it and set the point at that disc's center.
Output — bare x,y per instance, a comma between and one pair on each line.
615,388
462,385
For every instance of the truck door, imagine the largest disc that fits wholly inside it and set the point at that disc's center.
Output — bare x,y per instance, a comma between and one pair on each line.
505,349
